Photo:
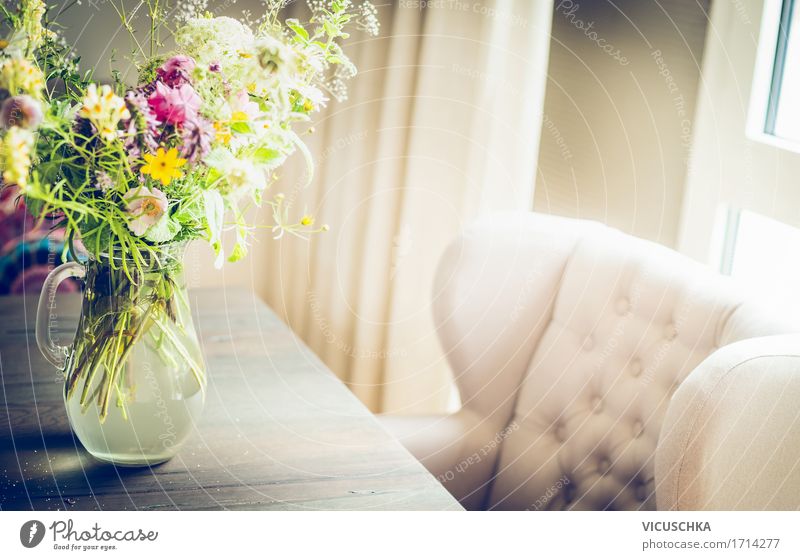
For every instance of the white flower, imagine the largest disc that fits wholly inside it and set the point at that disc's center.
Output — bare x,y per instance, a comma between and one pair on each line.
243,176
211,40
104,109
314,95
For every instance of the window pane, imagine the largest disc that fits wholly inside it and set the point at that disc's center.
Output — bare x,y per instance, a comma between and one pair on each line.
787,115
766,257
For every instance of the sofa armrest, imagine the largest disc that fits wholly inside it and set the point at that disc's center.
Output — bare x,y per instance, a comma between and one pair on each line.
731,436
459,449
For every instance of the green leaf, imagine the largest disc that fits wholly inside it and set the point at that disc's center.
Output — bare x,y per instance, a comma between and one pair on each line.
330,29
218,158
215,211
295,26
264,156
163,230
241,128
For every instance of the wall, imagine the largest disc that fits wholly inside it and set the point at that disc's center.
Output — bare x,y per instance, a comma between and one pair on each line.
726,167
621,94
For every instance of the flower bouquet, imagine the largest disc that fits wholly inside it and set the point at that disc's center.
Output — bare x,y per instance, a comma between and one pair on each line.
132,173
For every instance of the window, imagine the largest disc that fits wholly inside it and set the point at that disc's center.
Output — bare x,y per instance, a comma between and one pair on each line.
762,254
774,114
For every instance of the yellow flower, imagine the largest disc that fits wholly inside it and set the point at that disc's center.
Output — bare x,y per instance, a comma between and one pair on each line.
17,75
15,156
104,109
32,13
307,220
164,166
223,132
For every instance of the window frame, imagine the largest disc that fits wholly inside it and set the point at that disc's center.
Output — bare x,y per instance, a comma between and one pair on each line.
768,74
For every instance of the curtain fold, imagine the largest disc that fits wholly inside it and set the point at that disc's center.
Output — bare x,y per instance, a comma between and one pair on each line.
442,124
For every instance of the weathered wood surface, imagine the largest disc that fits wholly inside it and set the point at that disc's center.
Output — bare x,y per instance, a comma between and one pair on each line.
279,430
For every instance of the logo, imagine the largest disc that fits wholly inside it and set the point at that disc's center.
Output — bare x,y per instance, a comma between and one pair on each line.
31,533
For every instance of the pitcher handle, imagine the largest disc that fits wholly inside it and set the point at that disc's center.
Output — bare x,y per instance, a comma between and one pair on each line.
55,353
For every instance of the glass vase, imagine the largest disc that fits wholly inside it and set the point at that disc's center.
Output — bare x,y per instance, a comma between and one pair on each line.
134,376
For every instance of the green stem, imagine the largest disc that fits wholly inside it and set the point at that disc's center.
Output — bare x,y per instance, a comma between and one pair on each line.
196,370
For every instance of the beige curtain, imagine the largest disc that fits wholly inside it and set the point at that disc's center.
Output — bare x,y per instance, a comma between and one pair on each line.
442,124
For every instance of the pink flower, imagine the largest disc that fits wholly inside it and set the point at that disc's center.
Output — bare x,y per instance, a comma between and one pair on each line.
21,110
145,206
241,103
176,71
174,105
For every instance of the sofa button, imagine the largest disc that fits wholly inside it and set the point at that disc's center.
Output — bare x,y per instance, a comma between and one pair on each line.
622,306
559,432
670,332
641,492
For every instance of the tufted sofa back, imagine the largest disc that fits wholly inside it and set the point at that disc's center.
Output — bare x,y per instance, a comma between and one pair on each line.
567,338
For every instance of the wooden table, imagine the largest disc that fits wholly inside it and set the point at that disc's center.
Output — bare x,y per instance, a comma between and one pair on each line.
279,430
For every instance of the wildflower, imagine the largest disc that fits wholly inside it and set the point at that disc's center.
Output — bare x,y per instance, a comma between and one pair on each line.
164,166
176,71
215,67
307,220
242,176
210,40
15,156
21,110
104,110
243,109
18,76
314,98
223,132
32,13
143,122
197,135
103,181
174,105
367,19
145,207
273,54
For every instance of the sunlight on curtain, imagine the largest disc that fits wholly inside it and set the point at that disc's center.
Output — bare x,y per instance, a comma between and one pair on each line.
442,124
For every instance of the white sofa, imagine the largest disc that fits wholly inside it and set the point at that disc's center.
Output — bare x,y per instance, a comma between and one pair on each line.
601,371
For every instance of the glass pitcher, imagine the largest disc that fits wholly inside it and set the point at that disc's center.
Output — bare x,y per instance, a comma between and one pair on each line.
134,377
